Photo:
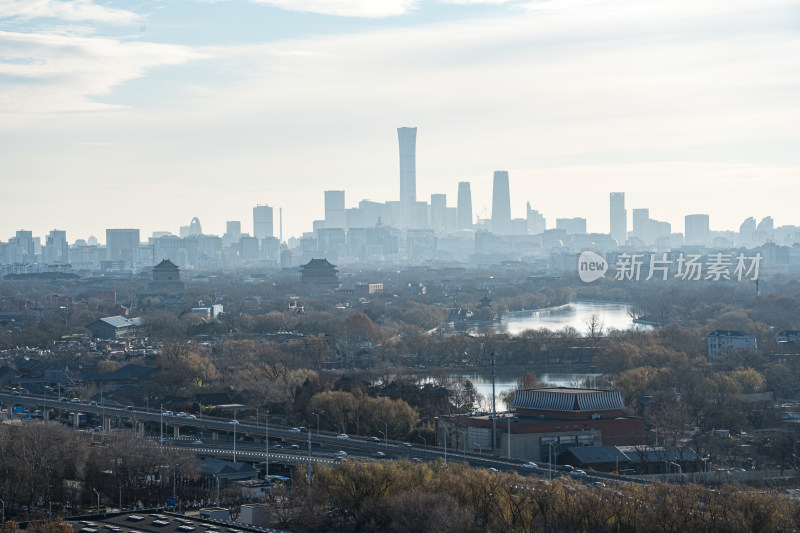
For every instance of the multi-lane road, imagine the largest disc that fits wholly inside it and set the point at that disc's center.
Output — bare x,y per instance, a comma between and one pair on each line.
323,445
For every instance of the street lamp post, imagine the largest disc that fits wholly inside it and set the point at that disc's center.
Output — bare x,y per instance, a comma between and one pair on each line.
550,459
3,515
386,434
424,442
480,450
98,500
317,415
234,423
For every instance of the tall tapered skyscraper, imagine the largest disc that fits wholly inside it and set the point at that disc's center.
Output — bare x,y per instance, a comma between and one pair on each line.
262,222
464,206
619,218
408,175
501,204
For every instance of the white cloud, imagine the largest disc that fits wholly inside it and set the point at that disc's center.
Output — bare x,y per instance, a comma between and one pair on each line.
346,8
56,73
72,11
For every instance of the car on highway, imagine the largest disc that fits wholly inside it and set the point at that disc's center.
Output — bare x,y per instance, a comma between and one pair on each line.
63,399
339,459
379,455
234,422
181,414
76,400
129,408
191,417
294,430
341,453
277,446
93,403
408,445
198,442
294,447
374,439
492,469
342,436
416,460
166,413
577,473
566,468
530,464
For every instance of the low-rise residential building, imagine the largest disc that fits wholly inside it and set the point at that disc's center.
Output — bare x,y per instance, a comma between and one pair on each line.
726,341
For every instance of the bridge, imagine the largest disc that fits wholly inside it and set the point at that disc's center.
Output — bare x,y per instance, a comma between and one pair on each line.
321,446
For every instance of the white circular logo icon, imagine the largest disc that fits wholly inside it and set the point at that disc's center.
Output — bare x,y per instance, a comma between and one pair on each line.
591,266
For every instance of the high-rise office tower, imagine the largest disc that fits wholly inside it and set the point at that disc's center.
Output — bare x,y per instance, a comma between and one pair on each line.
334,209
501,204
767,224
56,249
233,232
23,242
121,244
438,211
618,218
640,218
464,205
408,175
536,221
262,222
696,229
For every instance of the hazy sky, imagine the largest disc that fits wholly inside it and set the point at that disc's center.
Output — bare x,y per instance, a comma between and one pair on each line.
146,113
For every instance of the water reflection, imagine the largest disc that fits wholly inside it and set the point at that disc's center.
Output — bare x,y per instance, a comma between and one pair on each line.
576,315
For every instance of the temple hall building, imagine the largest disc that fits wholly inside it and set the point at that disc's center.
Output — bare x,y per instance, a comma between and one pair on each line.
544,422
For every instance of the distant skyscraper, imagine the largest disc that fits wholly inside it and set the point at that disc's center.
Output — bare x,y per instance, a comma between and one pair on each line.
464,205
408,174
536,222
573,226
56,248
121,244
24,247
640,218
696,229
748,226
233,232
501,204
766,224
618,218
334,209
438,211
263,222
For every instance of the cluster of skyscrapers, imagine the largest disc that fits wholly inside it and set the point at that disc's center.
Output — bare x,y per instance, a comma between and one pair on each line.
402,230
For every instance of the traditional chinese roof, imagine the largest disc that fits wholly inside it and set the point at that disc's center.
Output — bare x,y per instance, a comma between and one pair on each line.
166,264
318,264
566,399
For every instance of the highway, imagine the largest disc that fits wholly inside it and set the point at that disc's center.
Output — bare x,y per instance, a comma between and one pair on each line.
324,445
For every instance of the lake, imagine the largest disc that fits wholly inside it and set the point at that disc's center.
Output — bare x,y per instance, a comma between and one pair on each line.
506,379
575,314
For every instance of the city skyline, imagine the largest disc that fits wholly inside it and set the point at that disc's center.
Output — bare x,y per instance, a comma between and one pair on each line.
208,109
